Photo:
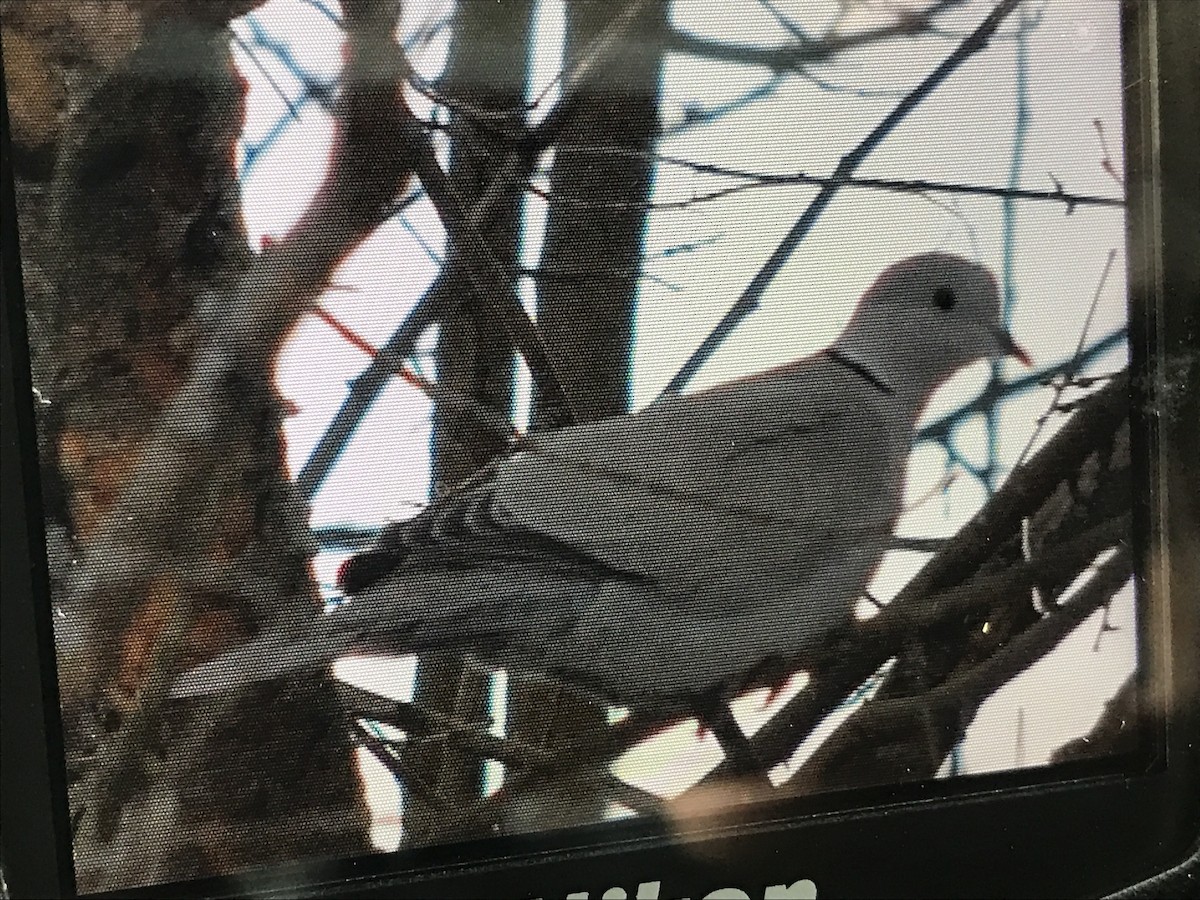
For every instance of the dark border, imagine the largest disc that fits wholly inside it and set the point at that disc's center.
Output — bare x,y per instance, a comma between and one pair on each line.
34,847
1088,832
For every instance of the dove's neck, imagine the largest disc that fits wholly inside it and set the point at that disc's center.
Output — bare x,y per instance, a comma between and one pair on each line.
889,369
860,370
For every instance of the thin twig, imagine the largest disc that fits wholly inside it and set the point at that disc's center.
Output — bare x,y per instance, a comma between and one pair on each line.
494,285
752,179
529,763
940,428
806,52
1072,365
450,399
964,693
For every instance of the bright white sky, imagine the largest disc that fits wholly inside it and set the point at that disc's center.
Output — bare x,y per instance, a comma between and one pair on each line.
965,132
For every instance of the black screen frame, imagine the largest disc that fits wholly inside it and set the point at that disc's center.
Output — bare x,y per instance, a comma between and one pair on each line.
1084,831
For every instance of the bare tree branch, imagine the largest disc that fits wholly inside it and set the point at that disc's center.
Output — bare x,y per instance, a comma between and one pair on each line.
806,51
420,724
959,696
940,428
494,285
1114,733
752,180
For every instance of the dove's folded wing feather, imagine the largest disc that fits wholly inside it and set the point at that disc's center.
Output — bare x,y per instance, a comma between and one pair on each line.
718,483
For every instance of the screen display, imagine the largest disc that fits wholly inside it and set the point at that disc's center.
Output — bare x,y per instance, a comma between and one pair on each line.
466,420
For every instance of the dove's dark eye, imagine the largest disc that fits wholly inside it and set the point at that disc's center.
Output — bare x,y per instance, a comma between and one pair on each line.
943,298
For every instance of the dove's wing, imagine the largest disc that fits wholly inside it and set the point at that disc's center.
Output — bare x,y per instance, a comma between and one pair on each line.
807,457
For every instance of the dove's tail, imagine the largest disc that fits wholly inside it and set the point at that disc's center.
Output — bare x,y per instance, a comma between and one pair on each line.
473,610
280,653
264,658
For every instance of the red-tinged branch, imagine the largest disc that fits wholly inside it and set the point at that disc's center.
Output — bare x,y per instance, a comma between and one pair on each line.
482,414
348,334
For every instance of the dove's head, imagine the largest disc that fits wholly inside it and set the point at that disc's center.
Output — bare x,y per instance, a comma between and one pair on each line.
923,319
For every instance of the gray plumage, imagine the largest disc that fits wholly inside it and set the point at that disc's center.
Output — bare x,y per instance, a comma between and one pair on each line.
667,552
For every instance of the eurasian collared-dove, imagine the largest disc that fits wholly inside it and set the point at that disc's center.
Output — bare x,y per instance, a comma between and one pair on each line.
667,552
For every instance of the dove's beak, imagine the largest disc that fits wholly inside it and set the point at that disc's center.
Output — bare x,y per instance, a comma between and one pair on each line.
1009,347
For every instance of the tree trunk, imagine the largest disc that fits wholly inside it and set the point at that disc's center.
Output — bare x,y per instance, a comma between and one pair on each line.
131,235
487,75
587,292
